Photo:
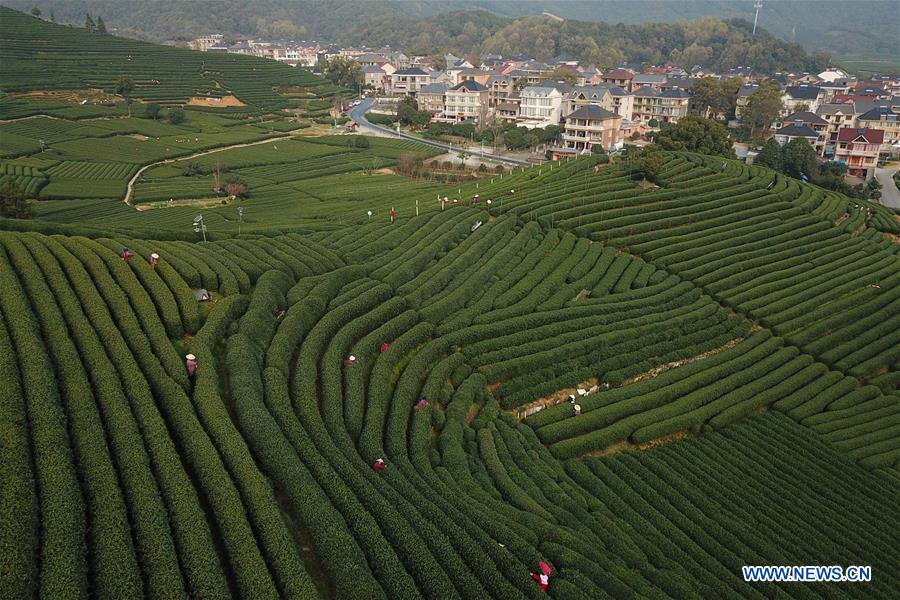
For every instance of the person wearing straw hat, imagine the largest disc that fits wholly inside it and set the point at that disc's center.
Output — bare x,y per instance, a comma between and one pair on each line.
349,360
154,260
378,465
190,362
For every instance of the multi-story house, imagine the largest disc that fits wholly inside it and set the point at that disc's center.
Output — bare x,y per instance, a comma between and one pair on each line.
432,97
470,74
466,100
859,148
797,131
646,105
204,43
585,95
743,98
837,117
373,77
654,81
407,82
499,89
622,102
675,104
802,97
591,125
539,106
810,121
886,117
664,107
619,77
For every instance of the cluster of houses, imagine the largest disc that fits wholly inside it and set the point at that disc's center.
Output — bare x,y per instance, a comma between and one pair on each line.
850,121
842,118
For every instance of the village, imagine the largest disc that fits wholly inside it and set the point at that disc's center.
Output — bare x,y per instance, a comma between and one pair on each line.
848,120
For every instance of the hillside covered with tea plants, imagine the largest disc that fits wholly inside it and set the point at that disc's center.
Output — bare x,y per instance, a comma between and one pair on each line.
736,331
351,389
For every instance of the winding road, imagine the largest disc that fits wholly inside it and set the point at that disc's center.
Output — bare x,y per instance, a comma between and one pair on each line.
358,115
890,195
130,191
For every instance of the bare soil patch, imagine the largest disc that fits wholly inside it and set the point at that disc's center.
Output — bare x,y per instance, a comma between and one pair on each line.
224,101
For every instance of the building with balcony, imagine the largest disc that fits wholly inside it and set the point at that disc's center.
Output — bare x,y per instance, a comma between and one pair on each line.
591,125
407,82
809,122
540,106
466,100
859,148
433,98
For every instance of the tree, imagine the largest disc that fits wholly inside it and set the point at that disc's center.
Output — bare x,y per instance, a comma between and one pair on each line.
89,23
361,141
763,107
151,110
406,109
799,159
650,162
13,204
237,188
695,134
716,97
344,72
176,115
36,12
124,86
421,119
770,156
562,74
652,123
192,169
101,26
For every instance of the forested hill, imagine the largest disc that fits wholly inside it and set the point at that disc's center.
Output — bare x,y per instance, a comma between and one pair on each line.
706,41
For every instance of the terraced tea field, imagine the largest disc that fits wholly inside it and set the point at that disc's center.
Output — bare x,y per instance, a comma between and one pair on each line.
644,387
254,476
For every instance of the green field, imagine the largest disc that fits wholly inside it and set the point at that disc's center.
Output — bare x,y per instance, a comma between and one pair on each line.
731,339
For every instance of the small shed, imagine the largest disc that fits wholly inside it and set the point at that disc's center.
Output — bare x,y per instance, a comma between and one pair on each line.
201,295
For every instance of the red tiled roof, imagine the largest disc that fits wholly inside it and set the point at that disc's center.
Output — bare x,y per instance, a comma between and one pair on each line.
619,74
872,136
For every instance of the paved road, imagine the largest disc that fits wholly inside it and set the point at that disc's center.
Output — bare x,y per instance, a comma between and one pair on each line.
890,195
131,183
358,115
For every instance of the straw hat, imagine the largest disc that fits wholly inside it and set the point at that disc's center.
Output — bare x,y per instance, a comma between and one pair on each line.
154,255
191,357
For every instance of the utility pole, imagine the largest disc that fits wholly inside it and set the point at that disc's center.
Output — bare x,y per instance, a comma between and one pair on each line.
757,6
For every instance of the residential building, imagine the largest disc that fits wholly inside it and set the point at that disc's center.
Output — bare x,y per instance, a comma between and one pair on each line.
793,131
619,77
590,125
373,77
663,107
508,111
583,95
646,105
540,106
406,82
432,97
802,97
499,89
622,102
207,41
469,74
654,81
674,105
743,98
885,117
466,100
811,121
830,89
837,117
833,74
859,148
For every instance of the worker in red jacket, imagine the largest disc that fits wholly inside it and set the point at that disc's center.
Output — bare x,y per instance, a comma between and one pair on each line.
393,214
126,254
543,578
154,260
378,465
190,363
384,346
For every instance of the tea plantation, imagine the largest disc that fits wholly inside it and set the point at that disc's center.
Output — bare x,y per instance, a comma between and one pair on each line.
645,387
